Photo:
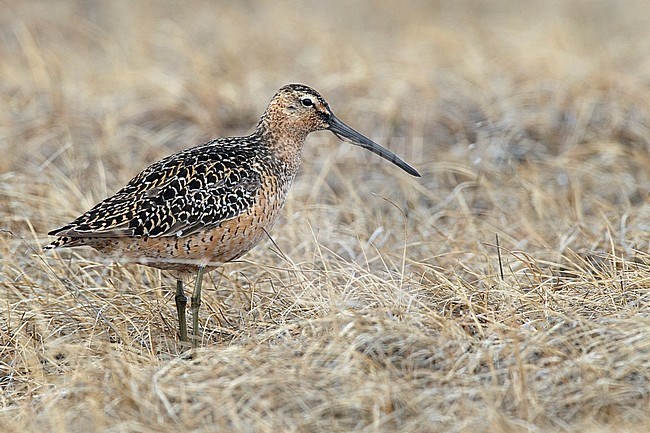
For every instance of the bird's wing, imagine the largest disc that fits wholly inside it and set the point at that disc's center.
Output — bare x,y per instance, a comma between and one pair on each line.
177,196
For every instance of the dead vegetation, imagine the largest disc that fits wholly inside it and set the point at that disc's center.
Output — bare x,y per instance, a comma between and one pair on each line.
386,303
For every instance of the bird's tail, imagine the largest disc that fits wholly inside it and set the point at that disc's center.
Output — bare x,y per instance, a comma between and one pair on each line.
62,242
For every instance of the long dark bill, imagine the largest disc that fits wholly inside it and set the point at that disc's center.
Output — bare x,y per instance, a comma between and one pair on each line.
345,133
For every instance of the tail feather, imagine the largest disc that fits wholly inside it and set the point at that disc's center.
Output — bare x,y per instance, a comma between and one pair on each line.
63,242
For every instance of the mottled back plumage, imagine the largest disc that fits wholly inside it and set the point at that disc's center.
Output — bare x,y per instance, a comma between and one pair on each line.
192,190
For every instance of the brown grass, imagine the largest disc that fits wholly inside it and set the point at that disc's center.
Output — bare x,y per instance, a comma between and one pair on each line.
386,305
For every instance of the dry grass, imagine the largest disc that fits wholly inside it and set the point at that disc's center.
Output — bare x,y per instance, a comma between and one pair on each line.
385,305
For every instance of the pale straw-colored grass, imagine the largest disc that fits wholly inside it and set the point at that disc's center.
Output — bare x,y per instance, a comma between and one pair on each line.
385,303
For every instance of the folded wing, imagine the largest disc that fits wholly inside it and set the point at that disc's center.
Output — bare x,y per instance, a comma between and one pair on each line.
176,196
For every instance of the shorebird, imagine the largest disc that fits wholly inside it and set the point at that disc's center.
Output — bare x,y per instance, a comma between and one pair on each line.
207,205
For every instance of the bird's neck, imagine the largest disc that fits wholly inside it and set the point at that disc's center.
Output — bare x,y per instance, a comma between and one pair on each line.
285,142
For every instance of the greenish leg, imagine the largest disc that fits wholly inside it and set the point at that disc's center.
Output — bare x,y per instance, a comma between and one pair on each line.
181,302
196,303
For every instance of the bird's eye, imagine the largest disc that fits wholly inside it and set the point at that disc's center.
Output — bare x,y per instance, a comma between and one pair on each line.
307,102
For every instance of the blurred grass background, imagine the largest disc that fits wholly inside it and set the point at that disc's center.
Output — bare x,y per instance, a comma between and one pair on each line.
385,305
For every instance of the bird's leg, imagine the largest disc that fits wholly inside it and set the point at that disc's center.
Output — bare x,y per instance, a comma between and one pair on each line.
196,303
181,302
